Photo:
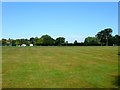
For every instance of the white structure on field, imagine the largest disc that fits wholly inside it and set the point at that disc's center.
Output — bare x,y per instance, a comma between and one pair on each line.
31,44
23,45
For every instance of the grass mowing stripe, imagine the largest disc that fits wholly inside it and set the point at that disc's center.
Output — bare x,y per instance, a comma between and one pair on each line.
60,67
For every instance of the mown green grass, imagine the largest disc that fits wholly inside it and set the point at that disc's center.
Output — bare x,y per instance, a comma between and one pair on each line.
59,67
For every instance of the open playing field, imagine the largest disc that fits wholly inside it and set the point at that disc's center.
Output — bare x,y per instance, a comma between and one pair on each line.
60,67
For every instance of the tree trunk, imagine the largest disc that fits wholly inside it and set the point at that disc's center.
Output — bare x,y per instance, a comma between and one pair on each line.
106,41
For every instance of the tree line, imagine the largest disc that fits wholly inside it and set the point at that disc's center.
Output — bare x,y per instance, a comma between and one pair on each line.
102,38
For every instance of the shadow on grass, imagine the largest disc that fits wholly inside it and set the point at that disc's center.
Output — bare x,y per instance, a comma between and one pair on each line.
117,81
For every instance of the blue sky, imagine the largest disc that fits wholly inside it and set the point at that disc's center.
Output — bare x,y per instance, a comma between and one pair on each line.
74,21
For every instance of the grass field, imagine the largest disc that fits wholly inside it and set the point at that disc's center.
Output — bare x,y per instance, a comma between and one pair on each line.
60,67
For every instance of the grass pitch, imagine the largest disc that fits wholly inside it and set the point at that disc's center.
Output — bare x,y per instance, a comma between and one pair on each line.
60,67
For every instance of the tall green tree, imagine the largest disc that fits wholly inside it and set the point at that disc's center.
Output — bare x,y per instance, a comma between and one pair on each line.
39,41
104,36
91,41
23,41
18,42
13,42
47,40
75,42
32,40
60,40
9,42
27,42
116,40
35,40
4,42
66,43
